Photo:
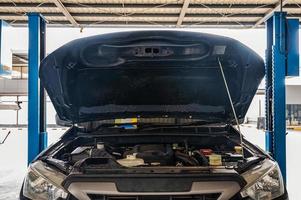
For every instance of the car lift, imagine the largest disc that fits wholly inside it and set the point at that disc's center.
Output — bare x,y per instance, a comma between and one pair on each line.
282,59
37,135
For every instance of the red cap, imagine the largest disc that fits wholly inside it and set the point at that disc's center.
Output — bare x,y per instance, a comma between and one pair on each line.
206,151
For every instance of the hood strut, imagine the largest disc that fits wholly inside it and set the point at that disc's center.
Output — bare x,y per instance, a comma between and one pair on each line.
231,102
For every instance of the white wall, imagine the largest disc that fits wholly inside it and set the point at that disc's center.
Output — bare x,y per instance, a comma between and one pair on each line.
293,94
13,86
256,109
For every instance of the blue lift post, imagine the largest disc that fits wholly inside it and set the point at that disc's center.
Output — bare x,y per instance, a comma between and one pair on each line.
282,59
268,86
37,135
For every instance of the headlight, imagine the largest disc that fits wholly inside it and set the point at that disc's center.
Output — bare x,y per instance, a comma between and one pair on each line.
268,186
37,187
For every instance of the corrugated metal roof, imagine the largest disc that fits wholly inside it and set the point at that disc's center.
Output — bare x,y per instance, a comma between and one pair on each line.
170,13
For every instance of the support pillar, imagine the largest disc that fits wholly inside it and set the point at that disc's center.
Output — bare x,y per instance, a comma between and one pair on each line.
278,82
269,86
37,135
282,59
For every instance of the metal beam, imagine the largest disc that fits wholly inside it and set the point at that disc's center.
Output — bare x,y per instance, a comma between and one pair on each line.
162,16
37,140
270,13
64,10
183,12
278,82
42,119
269,86
111,24
33,86
282,34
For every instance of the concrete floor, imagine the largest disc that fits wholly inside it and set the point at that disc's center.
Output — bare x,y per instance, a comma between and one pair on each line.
13,156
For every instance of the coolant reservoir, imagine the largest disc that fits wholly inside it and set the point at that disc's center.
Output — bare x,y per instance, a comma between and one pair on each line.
131,161
215,160
238,149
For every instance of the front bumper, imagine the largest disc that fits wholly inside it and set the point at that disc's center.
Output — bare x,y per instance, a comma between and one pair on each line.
71,197
224,183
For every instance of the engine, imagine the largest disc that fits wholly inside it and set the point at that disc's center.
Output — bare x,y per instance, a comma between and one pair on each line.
144,155
152,154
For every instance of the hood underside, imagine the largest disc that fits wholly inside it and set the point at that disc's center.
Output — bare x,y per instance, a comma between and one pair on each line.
151,74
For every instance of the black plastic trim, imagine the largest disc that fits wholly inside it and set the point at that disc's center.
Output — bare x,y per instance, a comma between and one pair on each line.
170,177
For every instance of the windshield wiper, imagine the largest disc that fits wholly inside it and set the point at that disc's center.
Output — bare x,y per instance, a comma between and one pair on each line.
179,125
146,124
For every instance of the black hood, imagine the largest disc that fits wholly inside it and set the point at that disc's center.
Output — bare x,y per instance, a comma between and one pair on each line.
151,74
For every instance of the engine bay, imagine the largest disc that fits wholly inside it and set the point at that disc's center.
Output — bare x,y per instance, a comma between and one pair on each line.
117,153
158,155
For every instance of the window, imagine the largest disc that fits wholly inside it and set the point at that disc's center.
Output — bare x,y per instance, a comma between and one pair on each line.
20,65
293,114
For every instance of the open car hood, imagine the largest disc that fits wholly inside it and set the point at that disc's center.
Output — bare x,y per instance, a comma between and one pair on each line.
151,74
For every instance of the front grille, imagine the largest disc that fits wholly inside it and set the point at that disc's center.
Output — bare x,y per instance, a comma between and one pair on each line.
212,196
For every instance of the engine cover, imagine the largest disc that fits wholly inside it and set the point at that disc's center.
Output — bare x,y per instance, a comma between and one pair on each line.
154,154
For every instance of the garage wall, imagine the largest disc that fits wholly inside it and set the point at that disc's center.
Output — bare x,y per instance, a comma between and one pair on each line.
256,109
293,94
13,86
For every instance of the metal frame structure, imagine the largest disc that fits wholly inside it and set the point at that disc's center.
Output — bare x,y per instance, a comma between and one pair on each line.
149,13
282,59
37,135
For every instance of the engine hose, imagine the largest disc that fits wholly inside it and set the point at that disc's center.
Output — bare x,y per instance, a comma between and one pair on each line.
201,158
186,159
